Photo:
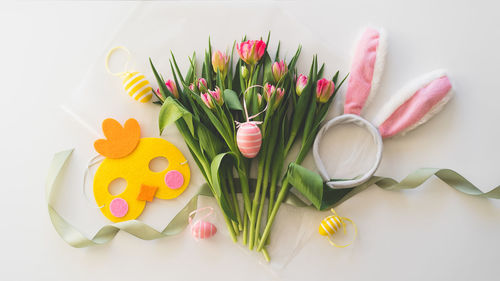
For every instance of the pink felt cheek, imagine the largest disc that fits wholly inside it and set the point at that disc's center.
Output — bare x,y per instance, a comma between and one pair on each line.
118,207
174,179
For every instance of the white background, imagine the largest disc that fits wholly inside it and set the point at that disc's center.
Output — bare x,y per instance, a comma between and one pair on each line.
51,54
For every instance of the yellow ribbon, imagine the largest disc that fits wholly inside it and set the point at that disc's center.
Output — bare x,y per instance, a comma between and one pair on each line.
342,219
126,63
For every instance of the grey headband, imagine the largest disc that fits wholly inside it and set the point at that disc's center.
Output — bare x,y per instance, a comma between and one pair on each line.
346,119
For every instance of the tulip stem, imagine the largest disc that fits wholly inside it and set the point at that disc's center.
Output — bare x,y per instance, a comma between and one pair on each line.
279,200
266,254
255,204
273,137
261,208
235,199
229,226
245,228
250,76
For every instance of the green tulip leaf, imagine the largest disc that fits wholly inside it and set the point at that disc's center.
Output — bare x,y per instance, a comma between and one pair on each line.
171,111
209,142
268,72
232,100
220,162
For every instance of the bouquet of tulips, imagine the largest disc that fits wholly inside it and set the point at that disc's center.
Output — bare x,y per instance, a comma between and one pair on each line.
246,110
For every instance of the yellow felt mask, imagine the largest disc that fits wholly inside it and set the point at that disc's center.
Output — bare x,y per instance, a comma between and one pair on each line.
128,157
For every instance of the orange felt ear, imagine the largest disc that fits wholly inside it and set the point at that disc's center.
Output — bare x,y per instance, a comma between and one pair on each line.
120,141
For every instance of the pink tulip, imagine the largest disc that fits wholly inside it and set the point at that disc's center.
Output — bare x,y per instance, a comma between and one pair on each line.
208,100
280,93
216,95
220,62
279,70
158,94
202,84
251,51
324,90
172,88
259,99
191,87
301,84
269,91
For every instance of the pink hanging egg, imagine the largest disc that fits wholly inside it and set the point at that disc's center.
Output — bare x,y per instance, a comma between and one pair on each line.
249,139
203,230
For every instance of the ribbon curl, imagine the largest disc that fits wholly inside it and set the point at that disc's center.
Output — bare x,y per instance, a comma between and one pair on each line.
320,197
134,227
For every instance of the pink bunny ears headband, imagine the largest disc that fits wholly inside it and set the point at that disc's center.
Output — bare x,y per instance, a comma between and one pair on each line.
412,106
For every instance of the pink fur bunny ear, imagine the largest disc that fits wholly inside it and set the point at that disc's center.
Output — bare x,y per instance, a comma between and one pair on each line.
366,69
414,104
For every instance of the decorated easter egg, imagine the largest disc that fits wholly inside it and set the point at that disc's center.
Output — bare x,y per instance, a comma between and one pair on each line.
330,225
249,139
203,229
136,86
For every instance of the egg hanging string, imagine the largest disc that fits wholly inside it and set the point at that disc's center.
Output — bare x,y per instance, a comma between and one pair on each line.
92,162
342,221
191,215
134,83
248,118
201,229
108,56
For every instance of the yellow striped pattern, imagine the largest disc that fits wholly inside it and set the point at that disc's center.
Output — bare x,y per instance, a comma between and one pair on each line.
136,86
330,225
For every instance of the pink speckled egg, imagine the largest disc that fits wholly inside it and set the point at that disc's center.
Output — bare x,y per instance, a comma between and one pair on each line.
249,139
203,230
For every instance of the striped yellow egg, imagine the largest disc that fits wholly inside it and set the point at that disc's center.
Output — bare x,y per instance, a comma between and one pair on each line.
330,225
137,86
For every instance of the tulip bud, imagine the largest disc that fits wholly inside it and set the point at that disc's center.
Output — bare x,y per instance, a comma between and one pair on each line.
220,62
208,100
251,51
269,91
324,90
244,72
279,70
172,88
191,87
216,95
159,95
301,84
280,93
202,85
259,99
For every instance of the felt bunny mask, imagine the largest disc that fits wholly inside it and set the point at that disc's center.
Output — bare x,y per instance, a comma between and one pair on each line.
412,106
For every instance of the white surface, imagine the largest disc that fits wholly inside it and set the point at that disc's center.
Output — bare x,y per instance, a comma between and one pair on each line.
432,233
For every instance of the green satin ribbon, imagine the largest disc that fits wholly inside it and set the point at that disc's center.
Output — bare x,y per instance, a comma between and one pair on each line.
311,185
134,227
307,182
